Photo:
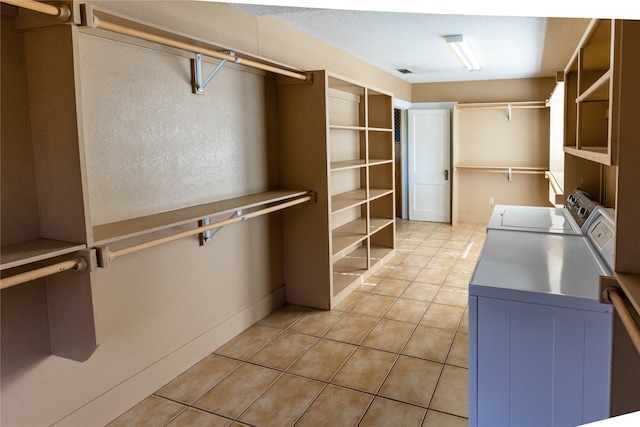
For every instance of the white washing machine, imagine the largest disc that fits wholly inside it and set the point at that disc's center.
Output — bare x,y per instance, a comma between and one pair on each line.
558,220
539,339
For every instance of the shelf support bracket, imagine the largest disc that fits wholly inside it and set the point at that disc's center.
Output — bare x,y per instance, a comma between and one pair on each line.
510,174
509,111
206,236
199,81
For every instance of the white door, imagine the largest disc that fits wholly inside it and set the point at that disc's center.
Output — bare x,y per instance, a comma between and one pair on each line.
428,156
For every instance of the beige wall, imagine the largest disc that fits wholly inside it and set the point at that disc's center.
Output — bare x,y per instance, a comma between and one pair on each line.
262,36
152,146
484,91
487,138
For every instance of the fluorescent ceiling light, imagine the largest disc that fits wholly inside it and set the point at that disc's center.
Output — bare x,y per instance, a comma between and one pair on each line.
464,52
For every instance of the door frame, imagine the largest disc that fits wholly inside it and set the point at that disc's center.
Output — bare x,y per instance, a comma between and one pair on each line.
405,107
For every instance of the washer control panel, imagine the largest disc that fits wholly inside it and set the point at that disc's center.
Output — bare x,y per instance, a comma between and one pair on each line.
580,205
601,231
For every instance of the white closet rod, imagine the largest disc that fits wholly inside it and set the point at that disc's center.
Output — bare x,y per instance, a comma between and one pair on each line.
554,184
61,12
78,264
106,255
127,31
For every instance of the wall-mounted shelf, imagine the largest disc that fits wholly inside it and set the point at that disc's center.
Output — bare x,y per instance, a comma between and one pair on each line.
121,230
508,170
105,255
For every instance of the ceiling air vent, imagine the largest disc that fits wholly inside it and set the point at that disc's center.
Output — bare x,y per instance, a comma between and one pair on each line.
404,71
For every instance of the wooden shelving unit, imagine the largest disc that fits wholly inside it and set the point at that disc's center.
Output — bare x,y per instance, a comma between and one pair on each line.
337,140
45,144
598,83
601,146
590,85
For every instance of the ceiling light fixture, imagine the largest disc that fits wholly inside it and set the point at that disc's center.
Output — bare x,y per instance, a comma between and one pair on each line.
464,52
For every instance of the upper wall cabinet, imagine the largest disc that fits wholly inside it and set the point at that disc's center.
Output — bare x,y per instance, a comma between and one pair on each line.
592,90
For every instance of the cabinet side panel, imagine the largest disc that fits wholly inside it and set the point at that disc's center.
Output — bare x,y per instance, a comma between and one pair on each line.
492,363
473,361
49,57
18,192
304,164
628,203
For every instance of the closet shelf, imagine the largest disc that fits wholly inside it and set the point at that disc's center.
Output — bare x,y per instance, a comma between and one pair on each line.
509,170
348,164
502,169
377,224
347,127
375,162
593,153
115,231
30,251
376,193
598,91
95,19
348,199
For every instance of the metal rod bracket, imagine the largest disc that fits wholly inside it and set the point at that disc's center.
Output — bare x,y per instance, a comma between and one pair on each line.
199,82
207,235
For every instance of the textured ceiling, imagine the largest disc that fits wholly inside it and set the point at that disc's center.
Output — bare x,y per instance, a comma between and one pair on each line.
508,47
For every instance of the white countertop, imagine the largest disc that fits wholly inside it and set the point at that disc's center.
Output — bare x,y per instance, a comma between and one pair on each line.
533,218
552,269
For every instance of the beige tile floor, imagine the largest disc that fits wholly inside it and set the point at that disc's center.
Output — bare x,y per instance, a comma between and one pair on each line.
393,353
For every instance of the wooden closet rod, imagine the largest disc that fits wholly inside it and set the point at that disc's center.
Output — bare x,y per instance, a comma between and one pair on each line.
554,183
79,264
105,256
61,12
613,295
127,31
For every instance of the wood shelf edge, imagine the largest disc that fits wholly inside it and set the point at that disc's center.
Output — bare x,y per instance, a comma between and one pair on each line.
121,230
30,251
599,84
594,156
